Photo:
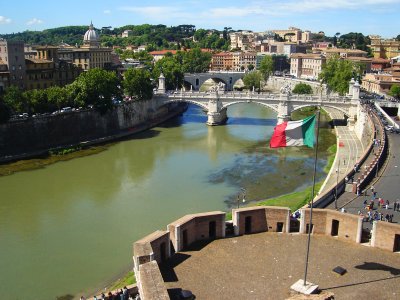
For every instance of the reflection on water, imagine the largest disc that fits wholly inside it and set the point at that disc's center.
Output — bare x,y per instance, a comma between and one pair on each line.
69,227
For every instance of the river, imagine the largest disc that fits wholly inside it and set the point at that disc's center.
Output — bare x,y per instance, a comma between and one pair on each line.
69,227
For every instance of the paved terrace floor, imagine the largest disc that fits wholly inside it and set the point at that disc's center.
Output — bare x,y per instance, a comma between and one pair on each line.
265,265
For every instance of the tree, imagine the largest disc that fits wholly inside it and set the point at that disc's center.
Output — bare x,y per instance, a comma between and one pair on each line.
137,83
398,38
172,70
225,32
195,61
302,88
250,67
95,87
5,111
253,79
337,73
266,66
395,91
58,97
15,99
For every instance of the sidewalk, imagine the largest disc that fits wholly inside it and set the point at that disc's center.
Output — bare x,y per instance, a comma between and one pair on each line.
349,151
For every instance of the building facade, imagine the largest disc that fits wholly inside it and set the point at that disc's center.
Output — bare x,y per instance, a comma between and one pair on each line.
12,54
379,83
384,48
307,66
90,55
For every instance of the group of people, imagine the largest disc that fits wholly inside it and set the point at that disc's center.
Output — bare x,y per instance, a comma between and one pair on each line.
121,294
377,215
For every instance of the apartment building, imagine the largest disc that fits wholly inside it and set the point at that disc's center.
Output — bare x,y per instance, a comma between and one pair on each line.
384,48
379,83
12,54
4,76
222,61
307,66
344,53
246,59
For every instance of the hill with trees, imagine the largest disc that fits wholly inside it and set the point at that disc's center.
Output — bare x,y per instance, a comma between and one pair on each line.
156,37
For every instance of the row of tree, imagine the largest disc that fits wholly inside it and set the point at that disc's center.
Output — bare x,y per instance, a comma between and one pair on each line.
98,87
95,88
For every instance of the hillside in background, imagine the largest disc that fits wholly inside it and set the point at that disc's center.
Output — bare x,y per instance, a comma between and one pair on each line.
155,36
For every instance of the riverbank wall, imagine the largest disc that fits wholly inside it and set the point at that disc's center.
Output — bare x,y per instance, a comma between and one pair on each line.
32,137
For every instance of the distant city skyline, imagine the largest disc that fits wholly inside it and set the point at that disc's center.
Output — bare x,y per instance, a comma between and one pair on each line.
375,17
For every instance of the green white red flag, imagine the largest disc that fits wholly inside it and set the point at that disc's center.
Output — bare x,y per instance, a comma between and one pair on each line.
294,133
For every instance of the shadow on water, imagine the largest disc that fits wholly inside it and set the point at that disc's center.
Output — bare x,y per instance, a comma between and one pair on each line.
251,121
148,134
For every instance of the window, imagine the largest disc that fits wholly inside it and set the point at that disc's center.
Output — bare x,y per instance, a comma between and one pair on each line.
20,67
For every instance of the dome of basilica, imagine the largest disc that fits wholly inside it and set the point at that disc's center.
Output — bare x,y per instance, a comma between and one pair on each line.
91,35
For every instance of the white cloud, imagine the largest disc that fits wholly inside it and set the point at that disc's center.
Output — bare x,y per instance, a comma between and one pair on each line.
34,21
4,20
107,11
157,12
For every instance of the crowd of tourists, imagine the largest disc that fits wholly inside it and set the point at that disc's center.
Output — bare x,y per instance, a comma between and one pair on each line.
121,294
378,209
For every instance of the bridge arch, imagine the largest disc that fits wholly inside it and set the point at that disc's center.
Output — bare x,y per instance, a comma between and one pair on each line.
273,108
198,79
201,105
344,111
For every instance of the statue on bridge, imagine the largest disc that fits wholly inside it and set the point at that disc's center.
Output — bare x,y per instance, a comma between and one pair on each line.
220,86
286,89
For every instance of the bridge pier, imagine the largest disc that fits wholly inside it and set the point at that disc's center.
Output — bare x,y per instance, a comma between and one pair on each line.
217,118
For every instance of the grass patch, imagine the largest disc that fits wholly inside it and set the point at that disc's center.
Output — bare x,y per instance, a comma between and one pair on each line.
128,279
293,200
228,216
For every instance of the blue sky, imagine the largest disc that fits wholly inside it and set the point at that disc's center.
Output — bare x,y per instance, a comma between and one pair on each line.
367,16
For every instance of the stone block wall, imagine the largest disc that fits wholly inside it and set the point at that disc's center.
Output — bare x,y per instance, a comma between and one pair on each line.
249,220
349,226
191,228
155,246
148,251
151,282
277,215
384,236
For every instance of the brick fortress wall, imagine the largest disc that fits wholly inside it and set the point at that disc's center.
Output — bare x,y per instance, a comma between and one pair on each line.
160,245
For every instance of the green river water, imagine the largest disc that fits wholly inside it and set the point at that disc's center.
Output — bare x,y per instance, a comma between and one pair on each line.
68,228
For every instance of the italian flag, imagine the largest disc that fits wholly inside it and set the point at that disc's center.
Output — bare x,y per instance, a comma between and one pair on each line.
294,133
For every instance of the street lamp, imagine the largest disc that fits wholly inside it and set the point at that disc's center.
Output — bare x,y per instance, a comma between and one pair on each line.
337,181
244,195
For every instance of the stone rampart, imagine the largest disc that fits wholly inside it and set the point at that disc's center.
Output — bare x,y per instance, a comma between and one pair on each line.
248,220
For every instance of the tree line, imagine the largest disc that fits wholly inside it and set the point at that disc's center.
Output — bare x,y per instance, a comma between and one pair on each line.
156,37
102,89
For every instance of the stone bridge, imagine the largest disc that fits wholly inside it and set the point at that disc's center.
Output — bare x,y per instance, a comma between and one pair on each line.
196,80
216,101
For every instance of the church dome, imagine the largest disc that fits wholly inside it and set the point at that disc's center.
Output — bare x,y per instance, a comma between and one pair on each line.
91,35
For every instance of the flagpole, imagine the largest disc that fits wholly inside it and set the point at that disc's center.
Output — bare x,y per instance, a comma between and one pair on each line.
312,199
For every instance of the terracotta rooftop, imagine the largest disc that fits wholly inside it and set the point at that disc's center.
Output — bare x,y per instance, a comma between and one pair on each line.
162,52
